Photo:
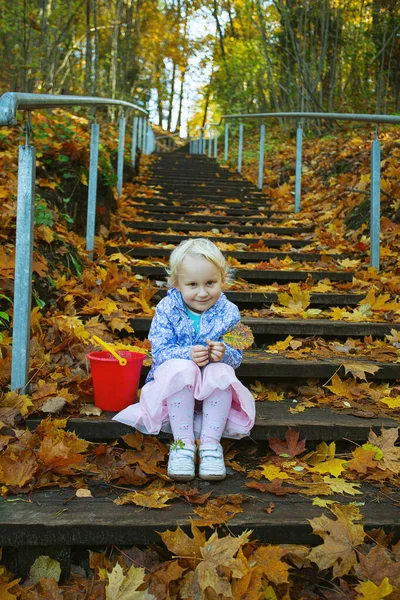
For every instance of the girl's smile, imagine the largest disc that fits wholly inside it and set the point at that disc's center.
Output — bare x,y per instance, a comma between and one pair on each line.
200,283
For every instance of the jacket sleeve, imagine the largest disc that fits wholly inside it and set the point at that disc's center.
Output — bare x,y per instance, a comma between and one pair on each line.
163,339
232,356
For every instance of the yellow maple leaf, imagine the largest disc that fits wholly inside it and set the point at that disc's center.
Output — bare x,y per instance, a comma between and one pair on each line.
271,472
121,587
321,502
379,302
394,337
358,370
337,313
120,258
348,263
297,409
340,387
368,590
391,402
18,401
341,538
148,498
280,346
340,486
120,324
295,302
334,466
45,233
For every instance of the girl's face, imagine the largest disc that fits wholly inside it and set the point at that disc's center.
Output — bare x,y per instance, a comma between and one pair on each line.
200,283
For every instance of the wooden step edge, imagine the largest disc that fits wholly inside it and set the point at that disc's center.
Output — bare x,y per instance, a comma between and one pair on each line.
180,226
261,274
220,202
303,327
272,421
136,251
175,238
181,211
316,298
51,518
217,220
261,364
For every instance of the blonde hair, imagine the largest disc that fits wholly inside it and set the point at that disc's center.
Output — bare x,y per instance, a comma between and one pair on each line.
197,247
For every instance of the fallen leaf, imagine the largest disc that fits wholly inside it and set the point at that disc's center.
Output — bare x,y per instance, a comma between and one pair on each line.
341,538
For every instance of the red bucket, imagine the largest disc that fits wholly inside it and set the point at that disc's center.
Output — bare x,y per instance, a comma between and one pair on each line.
115,387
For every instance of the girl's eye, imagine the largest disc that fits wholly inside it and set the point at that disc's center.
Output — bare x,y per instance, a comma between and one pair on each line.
192,284
210,282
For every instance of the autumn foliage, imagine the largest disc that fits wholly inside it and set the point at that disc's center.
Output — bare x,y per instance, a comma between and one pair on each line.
76,298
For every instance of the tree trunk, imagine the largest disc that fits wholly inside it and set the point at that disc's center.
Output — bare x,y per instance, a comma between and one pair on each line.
179,119
271,85
88,61
96,49
171,97
221,40
114,53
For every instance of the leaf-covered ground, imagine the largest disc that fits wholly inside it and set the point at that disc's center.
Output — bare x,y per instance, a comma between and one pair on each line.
75,298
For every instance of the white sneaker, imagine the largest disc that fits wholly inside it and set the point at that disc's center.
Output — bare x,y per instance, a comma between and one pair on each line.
181,464
212,465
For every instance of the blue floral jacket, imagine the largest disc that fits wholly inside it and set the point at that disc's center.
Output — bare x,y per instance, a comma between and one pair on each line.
172,332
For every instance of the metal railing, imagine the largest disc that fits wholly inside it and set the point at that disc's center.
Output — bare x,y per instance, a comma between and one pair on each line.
166,143
199,146
10,103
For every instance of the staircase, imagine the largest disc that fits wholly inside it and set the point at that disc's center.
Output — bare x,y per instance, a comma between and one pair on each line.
194,196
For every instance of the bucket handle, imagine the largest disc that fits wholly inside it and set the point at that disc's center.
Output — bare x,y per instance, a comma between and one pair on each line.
122,361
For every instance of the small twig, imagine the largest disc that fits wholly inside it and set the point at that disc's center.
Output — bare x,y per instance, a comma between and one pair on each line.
131,559
367,193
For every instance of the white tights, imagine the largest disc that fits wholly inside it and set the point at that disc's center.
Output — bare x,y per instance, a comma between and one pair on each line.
216,408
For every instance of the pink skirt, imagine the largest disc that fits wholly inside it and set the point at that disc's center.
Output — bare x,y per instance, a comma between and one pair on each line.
150,414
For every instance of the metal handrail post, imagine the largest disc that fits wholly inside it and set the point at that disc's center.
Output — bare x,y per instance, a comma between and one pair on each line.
134,141
201,137
226,145
261,157
215,144
210,144
375,203
23,266
240,151
121,144
144,134
299,152
140,128
92,189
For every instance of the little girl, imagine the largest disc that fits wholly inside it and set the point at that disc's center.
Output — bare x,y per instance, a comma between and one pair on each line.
191,389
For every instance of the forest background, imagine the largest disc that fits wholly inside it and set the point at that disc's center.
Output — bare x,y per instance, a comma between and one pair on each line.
246,55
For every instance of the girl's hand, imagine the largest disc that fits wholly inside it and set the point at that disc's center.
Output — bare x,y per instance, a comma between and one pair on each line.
199,355
216,350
